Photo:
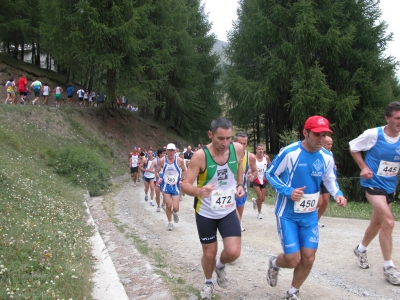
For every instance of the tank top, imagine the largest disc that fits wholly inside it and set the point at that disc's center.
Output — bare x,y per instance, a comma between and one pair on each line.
384,161
45,90
149,165
222,200
171,171
58,90
134,161
261,168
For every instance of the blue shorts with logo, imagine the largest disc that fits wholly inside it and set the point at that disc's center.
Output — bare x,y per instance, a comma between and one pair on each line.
298,232
171,189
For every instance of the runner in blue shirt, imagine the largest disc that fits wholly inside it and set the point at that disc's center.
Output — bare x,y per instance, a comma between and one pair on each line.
296,174
379,169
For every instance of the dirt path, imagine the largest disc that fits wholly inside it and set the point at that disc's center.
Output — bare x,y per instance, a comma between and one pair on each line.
335,274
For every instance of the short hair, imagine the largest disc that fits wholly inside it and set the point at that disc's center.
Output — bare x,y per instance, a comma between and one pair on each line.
240,134
259,145
392,106
160,151
220,123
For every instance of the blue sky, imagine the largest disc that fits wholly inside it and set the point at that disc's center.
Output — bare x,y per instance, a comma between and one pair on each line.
223,12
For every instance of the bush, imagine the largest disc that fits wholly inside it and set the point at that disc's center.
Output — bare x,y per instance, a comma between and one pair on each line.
82,166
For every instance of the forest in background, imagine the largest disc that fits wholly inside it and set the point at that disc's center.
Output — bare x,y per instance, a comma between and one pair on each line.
285,60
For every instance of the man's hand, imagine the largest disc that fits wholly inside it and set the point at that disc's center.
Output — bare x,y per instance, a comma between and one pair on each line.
240,191
366,173
298,193
206,190
341,201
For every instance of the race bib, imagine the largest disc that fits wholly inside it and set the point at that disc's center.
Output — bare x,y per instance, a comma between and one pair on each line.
170,179
307,203
388,168
222,199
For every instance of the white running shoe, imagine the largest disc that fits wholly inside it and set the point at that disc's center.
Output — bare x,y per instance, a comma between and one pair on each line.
254,203
321,224
207,291
176,217
151,203
295,296
170,227
260,215
272,273
222,279
243,229
392,275
362,258
158,209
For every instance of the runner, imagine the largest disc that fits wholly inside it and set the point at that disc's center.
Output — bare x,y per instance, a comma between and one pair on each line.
22,82
173,171
249,173
260,182
160,154
324,196
70,94
81,94
37,86
10,86
219,175
133,160
58,91
379,169
147,167
296,174
45,94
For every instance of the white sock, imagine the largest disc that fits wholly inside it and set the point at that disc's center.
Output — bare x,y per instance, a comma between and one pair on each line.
387,264
219,265
362,248
292,290
274,264
209,281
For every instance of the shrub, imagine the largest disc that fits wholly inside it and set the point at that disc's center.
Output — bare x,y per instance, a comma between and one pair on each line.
82,166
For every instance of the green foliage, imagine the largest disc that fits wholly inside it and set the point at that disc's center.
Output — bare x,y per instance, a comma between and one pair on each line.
82,166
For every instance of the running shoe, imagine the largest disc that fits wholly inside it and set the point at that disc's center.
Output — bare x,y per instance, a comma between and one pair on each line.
321,224
295,296
176,217
392,275
222,279
272,273
138,180
146,198
254,203
170,227
207,291
151,203
158,209
243,229
134,184
260,216
362,258
33,102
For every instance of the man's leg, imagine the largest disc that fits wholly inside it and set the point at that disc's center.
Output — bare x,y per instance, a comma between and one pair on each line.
302,270
323,202
231,251
382,221
208,259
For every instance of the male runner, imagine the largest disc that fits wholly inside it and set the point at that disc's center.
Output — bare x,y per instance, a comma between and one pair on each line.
173,169
296,174
379,169
249,172
160,154
260,182
147,167
133,160
219,174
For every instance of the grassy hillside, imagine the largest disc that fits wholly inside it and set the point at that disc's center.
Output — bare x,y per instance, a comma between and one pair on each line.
49,159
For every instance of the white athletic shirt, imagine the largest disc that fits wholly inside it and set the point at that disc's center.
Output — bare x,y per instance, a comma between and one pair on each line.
46,90
261,168
58,90
134,161
149,165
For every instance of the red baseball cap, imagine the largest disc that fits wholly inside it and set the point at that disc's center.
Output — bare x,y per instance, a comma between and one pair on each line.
317,124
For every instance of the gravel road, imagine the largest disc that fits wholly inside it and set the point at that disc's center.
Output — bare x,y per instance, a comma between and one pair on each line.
335,274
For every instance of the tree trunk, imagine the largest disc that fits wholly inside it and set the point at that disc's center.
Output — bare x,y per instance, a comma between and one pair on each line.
111,87
37,60
16,45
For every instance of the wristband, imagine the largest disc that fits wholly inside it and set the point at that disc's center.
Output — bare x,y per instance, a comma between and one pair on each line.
240,184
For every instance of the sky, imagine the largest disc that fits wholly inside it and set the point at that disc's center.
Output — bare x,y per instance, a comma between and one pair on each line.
223,12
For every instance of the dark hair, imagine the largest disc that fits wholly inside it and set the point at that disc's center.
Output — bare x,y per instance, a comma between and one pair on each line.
395,105
259,145
220,123
160,151
240,134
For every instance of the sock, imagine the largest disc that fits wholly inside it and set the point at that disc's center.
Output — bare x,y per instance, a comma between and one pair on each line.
362,248
387,264
208,281
274,264
219,265
292,290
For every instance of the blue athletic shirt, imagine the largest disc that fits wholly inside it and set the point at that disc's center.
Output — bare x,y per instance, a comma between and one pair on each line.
295,167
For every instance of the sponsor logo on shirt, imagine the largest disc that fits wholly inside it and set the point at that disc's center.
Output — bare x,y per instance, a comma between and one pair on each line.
232,162
318,165
221,183
211,166
222,174
302,165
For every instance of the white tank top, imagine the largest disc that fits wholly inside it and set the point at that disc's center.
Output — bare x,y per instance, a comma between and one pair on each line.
149,166
261,168
46,90
134,161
